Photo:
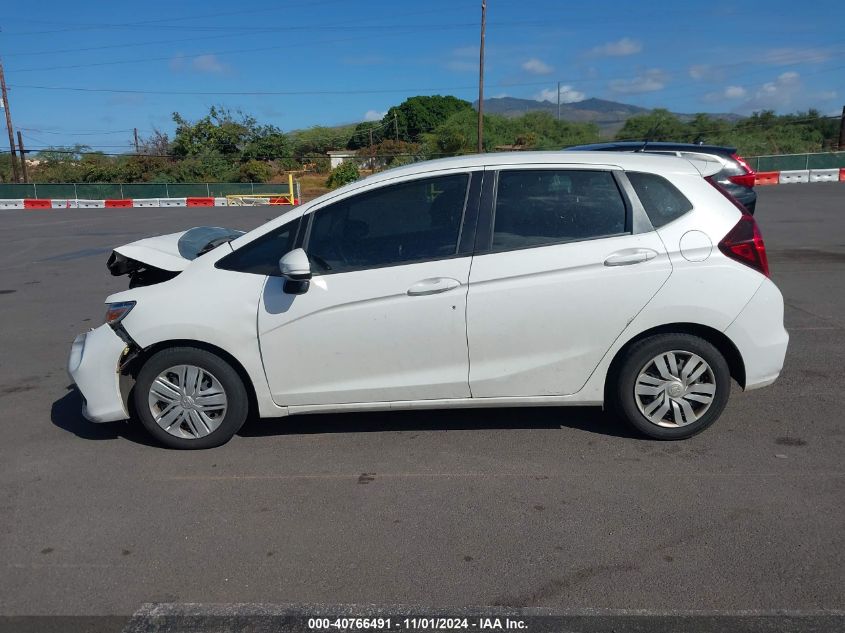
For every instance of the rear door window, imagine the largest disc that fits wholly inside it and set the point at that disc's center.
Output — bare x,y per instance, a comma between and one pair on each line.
660,198
537,207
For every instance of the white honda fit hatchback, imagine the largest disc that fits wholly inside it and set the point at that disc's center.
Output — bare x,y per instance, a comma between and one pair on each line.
527,279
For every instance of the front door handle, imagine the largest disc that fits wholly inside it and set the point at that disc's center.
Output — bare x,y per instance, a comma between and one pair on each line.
432,286
630,256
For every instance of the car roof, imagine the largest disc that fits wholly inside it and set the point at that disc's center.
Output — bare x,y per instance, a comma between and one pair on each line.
624,160
652,163
632,146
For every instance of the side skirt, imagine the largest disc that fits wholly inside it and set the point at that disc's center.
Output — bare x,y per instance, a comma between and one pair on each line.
447,403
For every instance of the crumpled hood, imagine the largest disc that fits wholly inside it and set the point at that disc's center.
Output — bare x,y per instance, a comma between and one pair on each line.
174,251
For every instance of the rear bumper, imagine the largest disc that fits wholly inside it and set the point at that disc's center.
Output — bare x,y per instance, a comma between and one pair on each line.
760,337
93,366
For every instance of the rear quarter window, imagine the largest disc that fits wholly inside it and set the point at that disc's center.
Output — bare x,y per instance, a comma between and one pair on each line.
660,198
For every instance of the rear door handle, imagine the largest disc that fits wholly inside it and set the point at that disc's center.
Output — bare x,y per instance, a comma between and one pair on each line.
630,256
432,286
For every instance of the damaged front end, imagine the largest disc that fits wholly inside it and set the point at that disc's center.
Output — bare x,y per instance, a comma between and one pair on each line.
140,274
158,259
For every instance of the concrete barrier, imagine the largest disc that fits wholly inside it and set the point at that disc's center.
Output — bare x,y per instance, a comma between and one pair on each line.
123,203
767,178
37,203
221,202
199,202
172,202
145,202
63,204
91,204
824,175
794,176
11,204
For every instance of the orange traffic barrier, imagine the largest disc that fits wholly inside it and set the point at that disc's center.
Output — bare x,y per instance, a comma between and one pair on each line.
199,202
38,203
118,204
767,178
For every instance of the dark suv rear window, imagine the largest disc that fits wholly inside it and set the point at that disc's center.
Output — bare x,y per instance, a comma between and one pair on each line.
660,198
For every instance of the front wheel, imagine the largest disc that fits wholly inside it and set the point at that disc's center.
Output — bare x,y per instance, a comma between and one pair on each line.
189,398
672,386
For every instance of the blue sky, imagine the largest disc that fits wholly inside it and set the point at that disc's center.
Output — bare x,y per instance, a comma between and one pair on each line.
88,72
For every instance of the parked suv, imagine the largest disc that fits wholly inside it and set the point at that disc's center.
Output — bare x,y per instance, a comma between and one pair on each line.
736,175
527,279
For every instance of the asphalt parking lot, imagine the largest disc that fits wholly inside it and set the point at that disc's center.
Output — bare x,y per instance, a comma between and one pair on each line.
535,507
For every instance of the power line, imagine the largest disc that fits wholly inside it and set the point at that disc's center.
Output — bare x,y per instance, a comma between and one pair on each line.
158,22
337,91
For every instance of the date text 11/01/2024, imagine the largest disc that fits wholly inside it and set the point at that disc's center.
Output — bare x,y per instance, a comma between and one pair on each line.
416,624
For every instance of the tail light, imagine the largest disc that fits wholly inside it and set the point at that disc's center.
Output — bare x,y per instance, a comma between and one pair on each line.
746,179
744,243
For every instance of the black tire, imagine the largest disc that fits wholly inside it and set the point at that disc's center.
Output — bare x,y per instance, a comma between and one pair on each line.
639,355
237,406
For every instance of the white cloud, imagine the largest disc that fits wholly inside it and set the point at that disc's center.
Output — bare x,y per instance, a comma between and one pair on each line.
374,115
620,48
465,51
209,63
788,55
567,95
537,67
705,72
463,59
729,92
650,81
461,66
781,93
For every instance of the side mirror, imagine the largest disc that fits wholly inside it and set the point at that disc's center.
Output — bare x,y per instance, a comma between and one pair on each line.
296,271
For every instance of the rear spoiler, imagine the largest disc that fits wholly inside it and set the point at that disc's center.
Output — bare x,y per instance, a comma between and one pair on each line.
706,167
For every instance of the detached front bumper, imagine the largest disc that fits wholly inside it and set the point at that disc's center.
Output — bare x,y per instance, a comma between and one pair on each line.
93,366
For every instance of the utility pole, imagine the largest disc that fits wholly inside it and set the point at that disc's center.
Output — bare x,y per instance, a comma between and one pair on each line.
5,97
372,151
396,127
135,130
558,101
23,157
842,130
481,79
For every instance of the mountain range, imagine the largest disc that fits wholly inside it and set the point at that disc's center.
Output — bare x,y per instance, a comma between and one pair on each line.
609,116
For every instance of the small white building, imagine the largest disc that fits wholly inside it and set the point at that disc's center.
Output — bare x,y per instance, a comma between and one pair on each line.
340,156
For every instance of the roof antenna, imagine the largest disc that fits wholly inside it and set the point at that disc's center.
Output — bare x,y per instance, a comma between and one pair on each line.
649,136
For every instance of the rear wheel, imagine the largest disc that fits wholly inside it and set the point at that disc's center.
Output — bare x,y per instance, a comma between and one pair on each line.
189,398
672,386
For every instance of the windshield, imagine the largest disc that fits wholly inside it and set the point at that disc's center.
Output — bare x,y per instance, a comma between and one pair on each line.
201,239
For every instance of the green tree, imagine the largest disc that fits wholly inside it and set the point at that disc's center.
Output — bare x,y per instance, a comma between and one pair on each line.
360,137
314,142
420,115
219,131
343,174
255,171
657,125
